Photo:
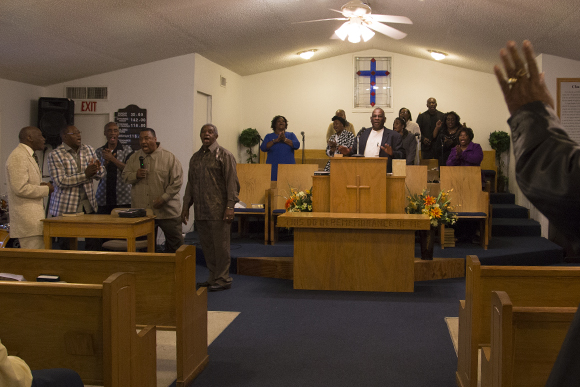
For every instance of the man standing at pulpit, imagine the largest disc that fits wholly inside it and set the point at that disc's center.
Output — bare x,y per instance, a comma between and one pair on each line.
378,141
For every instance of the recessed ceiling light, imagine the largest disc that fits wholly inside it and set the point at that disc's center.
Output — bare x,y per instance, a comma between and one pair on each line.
437,55
307,54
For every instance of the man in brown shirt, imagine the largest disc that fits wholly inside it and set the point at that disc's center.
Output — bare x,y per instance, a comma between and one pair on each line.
212,187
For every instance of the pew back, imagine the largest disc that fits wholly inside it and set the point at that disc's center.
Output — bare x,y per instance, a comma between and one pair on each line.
165,290
254,187
526,285
525,342
87,328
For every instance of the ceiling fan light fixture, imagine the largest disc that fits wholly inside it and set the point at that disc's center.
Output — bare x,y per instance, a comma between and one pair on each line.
307,54
437,55
342,31
366,33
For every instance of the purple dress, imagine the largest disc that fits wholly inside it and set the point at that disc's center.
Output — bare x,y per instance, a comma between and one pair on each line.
470,157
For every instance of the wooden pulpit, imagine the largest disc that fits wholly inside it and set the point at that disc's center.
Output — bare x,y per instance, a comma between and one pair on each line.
359,185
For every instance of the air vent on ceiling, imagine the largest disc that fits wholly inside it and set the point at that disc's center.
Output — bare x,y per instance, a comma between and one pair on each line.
87,93
223,81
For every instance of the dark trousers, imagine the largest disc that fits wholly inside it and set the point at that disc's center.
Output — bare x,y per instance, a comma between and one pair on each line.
214,236
56,377
172,230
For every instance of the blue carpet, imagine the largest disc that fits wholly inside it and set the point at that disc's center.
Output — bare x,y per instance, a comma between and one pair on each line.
287,337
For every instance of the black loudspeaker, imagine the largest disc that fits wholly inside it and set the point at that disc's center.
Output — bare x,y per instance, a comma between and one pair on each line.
53,115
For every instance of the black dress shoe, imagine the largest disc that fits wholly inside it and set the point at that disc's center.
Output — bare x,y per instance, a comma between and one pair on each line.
203,284
217,287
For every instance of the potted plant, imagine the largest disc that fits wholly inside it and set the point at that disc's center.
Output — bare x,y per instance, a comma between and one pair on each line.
440,212
250,138
500,142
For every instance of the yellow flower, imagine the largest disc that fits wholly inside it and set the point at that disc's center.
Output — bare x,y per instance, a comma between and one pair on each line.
435,212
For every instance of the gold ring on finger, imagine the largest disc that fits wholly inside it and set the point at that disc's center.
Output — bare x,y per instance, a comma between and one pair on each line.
521,73
512,81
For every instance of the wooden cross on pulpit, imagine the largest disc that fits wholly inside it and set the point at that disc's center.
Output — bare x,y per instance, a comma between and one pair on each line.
358,187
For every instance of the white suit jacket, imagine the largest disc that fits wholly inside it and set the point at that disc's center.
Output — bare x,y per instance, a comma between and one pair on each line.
25,194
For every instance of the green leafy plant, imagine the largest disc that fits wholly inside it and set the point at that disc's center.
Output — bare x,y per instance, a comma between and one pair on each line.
500,142
250,138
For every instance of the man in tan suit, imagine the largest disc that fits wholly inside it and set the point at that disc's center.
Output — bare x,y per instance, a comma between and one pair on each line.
26,190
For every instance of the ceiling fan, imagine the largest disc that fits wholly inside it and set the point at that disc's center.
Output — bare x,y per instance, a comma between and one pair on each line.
360,22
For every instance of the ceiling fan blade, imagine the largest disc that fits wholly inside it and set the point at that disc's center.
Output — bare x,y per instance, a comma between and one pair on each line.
386,30
335,10
311,21
392,19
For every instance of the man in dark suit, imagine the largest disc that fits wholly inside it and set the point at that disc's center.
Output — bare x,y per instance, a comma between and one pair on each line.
377,141
429,122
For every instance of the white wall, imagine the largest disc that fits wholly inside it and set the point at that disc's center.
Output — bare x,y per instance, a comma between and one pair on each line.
226,103
309,94
18,108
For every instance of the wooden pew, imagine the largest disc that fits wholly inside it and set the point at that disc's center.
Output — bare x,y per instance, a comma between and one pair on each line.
254,187
298,176
525,342
165,289
526,285
469,201
311,156
87,328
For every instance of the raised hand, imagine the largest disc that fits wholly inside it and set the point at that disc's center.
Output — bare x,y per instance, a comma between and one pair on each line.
521,87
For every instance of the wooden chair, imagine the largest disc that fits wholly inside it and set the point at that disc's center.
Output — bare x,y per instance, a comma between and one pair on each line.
87,328
298,176
4,237
121,244
527,286
525,342
469,201
489,167
415,180
254,187
165,291
312,156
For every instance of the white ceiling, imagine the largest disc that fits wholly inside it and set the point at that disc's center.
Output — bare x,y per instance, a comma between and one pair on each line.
44,42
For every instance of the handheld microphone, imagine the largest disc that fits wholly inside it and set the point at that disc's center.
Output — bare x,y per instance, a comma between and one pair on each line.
141,164
302,133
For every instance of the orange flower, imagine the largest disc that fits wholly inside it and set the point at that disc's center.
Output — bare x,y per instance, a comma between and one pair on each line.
288,203
435,212
429,200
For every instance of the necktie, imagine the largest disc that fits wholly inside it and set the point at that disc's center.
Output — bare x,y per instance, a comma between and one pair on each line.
35,157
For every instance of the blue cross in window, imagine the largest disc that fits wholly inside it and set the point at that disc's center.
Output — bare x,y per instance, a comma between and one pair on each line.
373,74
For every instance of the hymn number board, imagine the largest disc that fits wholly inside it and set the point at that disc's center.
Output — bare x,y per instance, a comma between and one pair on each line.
131,121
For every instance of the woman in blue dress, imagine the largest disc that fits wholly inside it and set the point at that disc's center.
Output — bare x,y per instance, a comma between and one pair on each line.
280,145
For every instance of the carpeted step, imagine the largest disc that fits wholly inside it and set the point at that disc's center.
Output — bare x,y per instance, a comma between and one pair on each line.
509,211
502,198
507,227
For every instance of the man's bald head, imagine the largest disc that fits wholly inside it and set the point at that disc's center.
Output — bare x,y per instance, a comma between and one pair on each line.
32,137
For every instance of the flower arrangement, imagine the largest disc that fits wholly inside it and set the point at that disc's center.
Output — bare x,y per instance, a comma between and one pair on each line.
437,207
299,201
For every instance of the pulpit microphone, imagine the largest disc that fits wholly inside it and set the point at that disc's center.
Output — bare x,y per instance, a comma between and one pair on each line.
357,154
141,164
303,147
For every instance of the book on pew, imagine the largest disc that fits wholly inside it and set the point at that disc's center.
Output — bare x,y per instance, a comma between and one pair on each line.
48,278
11,277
